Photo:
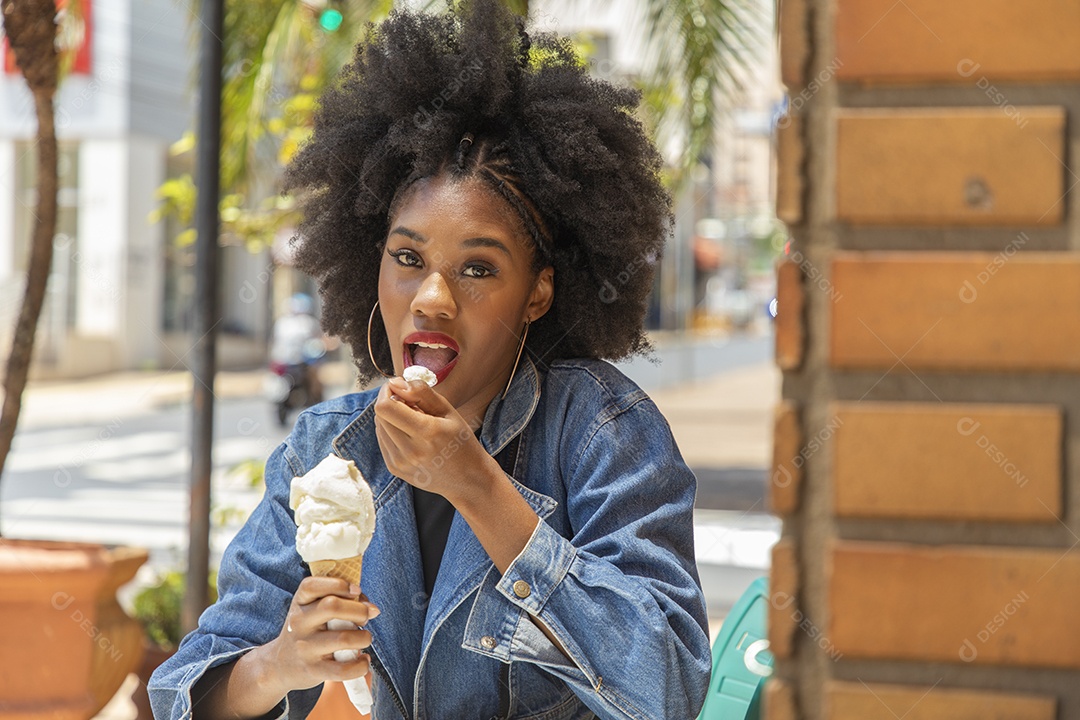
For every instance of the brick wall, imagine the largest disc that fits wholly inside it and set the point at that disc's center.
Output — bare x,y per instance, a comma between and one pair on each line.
926,447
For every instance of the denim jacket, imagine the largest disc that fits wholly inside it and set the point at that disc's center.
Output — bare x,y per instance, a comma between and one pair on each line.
609,568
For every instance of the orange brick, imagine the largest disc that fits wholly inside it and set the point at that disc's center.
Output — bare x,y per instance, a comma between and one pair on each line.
979,605
954,462
786,464
959,41
790,322
956,311
783,598
955,166
794,42
876,701
779,701
789,168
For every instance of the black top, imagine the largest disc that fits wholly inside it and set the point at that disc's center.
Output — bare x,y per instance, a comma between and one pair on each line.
434,514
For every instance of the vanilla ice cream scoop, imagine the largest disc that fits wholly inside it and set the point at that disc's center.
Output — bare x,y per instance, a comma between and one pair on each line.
419,372
334,510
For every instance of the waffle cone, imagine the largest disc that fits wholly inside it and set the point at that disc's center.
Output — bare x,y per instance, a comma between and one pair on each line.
348,569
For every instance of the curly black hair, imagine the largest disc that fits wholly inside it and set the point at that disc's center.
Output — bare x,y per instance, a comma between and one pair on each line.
470,93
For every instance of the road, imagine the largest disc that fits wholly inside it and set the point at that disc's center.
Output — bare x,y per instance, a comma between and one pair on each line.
123,479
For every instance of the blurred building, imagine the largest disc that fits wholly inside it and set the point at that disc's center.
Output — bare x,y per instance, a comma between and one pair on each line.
728,208
120,292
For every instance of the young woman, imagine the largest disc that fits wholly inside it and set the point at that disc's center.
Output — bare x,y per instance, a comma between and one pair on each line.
477,204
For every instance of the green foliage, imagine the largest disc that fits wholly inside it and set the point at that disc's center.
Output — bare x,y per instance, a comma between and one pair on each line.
157,607
252,471
277,60
697,59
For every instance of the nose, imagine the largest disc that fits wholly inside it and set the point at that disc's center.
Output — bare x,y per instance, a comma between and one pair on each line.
434,298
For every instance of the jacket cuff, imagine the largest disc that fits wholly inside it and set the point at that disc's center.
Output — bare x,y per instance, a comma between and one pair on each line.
538,569
181,697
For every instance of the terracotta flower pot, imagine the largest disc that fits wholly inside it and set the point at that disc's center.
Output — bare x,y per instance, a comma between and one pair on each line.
59,654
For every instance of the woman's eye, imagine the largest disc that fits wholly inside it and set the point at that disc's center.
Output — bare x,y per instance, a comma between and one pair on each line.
405,257
477,271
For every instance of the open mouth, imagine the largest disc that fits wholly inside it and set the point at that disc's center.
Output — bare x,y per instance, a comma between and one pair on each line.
435,351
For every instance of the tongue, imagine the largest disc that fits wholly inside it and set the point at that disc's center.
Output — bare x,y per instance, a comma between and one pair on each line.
434,359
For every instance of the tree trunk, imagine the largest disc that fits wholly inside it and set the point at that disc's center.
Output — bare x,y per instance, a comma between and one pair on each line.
30,26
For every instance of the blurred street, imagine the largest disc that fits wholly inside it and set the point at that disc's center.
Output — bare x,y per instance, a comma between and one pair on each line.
107,460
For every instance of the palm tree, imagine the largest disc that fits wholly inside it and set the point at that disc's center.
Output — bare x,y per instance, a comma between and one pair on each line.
30,26
696,56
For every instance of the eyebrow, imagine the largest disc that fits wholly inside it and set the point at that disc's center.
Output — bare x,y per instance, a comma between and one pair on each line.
469,242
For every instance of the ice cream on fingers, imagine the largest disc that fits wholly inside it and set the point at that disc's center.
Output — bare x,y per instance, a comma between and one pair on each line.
335,520
419,372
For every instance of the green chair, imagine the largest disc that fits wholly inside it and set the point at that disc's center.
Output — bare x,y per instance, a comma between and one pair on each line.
741,660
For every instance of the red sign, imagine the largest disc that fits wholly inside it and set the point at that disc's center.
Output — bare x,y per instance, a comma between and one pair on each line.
73,35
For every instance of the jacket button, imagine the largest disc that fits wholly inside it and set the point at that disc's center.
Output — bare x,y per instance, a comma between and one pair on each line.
488,642
522,589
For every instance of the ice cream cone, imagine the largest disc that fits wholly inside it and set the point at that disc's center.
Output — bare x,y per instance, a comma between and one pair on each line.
335,515
348,569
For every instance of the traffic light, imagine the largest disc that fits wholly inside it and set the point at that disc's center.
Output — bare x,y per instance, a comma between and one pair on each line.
330,18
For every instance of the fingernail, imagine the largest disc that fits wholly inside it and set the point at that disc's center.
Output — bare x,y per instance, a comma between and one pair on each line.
374,612
399,383
354,589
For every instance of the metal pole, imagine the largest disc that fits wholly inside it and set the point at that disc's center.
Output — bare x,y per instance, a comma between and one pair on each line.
207,173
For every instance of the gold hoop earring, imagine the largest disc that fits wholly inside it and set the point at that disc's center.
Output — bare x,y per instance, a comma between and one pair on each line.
521,346
371,354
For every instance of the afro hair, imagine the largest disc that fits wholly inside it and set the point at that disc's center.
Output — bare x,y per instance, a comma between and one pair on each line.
560,146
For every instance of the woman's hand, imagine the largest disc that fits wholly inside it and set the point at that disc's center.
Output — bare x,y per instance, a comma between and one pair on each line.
303,654
426,442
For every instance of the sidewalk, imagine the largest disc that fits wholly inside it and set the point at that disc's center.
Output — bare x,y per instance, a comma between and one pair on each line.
126,394
725,421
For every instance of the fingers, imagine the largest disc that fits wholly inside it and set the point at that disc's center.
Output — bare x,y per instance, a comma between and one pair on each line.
321,599
417,393
314,588
398,410
330,669
328,642
390,449
395,435
332,607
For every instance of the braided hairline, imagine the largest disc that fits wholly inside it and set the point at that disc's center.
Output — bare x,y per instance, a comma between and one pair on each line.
495,169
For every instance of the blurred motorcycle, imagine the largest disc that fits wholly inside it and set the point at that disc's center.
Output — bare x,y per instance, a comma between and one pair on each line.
295,386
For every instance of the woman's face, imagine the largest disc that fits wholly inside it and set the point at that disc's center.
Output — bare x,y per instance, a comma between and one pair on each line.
455,288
